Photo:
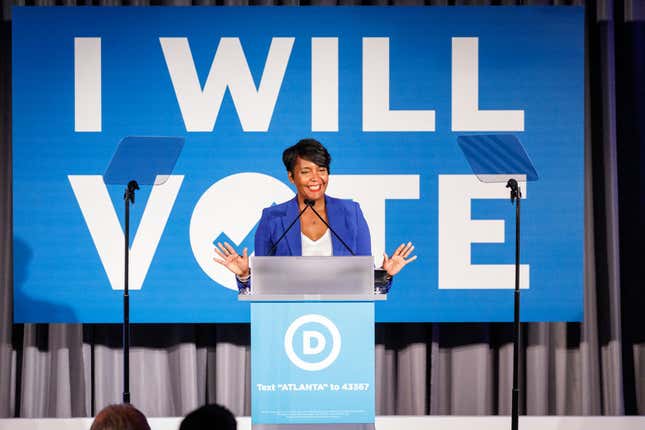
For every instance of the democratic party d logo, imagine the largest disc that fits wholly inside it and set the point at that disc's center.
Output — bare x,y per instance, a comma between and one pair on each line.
314,342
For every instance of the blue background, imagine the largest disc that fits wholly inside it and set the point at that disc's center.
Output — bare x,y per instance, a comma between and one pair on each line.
530,58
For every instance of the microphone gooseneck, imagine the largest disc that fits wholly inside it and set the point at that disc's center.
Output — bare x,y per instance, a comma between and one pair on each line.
307,206
307,201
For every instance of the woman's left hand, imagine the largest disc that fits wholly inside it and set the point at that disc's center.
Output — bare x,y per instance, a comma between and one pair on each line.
397,261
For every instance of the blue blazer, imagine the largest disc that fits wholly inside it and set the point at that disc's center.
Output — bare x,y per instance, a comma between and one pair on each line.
344,216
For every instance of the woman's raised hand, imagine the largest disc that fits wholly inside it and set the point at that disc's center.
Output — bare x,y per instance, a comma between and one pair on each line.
229,258
397,261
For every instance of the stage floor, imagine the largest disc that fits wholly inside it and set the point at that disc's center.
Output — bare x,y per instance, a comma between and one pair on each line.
382,423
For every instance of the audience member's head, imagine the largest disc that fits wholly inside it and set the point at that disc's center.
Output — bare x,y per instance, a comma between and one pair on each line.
120,417
209,417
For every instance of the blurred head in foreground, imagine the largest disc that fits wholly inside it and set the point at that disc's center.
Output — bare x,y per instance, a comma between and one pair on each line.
208,417
120,417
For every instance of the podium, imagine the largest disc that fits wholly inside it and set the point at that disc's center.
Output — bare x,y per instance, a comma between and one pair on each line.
312,342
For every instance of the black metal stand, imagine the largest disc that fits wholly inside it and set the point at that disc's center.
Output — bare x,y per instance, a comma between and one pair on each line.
128,197
516,196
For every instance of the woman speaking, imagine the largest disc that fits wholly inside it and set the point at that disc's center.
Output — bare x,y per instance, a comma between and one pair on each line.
307,164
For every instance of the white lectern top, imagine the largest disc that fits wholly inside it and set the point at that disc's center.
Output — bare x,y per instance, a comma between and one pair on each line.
312,279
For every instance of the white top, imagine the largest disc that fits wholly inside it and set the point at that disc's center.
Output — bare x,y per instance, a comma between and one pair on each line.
321,247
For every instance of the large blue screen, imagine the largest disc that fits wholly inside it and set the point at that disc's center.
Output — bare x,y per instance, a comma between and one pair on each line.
387,90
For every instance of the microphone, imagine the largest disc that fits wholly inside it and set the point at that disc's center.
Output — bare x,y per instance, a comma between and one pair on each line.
310,203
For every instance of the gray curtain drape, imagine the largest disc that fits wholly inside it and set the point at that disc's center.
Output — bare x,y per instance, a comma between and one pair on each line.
596,367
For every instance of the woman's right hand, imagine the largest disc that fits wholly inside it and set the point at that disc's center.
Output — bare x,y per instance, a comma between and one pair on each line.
229,258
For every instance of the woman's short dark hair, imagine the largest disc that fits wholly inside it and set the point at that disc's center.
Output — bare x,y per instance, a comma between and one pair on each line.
307,149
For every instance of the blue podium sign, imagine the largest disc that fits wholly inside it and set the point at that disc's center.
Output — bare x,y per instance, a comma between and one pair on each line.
312,363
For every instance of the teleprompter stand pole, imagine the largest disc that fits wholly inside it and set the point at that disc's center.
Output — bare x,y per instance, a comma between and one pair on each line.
151,160
516,196
128,197
483,153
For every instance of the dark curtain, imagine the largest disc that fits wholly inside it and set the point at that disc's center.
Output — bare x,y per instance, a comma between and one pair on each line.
596,367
